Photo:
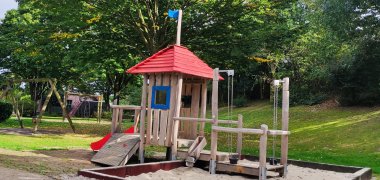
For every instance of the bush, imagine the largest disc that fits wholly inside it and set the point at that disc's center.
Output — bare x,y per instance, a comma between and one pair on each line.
240,102
107,115
5,110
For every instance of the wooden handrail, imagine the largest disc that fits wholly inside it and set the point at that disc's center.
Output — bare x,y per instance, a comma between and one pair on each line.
128,107
237,130
205,120
278,132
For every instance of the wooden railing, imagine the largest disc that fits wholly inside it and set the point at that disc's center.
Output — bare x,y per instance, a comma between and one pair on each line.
239,124
117,116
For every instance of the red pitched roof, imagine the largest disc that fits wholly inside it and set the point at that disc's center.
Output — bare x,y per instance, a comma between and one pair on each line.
174,58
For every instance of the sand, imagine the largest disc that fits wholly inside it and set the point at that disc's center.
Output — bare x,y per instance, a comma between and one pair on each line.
186,173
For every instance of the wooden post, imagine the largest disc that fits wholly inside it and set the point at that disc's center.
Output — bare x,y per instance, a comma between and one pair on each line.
142,118
52,83
263,153
65,104
179,24
214,109
285,126
203,106
214,105
240,135
176,114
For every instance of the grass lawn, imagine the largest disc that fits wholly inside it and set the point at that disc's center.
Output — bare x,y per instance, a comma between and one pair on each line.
88,130
338,135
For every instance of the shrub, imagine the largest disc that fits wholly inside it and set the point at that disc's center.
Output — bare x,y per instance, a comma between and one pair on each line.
241,101
5,110
107,115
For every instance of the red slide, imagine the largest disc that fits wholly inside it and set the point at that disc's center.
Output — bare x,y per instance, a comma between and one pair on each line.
96,146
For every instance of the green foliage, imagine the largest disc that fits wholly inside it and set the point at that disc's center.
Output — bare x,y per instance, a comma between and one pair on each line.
241,101
5,110
107,115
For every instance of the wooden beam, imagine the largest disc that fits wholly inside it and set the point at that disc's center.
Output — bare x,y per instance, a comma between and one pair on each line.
237,130
278,133
32,80
126,107
142,118
176,114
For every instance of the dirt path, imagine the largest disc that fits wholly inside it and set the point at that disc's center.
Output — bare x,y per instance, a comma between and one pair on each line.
55,164
7,173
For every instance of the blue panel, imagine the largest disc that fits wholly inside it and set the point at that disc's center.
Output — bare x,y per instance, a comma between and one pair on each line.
167,98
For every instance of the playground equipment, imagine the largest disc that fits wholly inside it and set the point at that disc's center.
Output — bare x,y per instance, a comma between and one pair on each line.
77,100
173,114
52,83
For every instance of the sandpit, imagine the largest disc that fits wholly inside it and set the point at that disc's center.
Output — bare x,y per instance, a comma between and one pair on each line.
186,173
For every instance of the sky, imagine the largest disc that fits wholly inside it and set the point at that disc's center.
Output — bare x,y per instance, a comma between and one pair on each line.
6,5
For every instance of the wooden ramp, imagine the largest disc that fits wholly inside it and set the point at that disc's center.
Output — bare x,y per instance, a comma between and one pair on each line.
118,150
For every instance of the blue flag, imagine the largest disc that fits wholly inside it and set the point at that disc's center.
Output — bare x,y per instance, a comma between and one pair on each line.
173,13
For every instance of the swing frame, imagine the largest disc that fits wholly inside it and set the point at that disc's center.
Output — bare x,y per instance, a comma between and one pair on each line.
53,89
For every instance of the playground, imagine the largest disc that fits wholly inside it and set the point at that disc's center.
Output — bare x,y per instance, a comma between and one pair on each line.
58,157
173,112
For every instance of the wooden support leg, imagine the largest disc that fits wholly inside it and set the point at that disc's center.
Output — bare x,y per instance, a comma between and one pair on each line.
61,104
38,120
263,153
240,135
285,126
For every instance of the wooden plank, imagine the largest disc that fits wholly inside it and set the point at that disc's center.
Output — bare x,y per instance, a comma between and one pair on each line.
240,135
169,132
164,115
152,80
156,125
203,107
235,168
205,155
163,127
285,125
142,118
195,97
237,130
118,149
263,153
176,114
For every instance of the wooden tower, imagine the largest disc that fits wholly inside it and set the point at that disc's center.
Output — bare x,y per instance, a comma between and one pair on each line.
174,85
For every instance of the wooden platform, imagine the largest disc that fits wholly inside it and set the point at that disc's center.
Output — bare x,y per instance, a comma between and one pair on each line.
205,155
245,167
118,150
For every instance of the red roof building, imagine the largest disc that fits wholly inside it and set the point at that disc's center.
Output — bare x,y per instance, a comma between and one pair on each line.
174,58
